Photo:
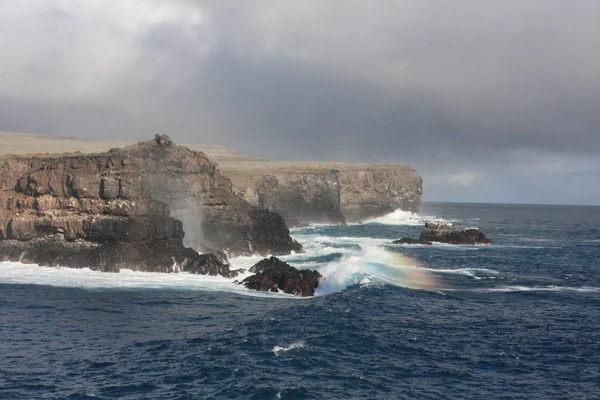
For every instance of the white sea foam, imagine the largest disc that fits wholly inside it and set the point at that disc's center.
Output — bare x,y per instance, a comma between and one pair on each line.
476,273
18,273
398,217
508,289
279,349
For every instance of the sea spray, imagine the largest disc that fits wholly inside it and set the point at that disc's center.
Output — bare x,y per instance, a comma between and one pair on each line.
374,264
398,217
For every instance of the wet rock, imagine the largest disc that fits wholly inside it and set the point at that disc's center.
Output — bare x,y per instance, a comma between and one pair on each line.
274,275
442,232
409,240
206,264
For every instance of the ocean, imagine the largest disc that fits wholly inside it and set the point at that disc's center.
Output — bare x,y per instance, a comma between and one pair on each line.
519,319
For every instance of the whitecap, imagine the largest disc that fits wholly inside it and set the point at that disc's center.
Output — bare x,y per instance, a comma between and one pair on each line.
398,217
509,289
295,345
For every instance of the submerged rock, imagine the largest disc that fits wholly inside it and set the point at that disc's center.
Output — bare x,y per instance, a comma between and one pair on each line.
442,232
273,275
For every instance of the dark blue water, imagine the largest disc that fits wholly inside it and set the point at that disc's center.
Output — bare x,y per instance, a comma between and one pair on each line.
519,319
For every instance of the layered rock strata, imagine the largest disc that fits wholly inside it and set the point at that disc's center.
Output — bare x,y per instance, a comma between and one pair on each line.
302,192
141,207
326,192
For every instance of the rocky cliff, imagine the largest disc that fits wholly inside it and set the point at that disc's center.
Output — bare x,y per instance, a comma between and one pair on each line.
137,206
326,192
300,191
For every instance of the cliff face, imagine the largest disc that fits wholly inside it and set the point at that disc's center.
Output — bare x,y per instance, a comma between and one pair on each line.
300,191
135,207
326,192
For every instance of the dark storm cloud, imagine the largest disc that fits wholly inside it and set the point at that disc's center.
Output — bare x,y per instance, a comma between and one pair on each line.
466,93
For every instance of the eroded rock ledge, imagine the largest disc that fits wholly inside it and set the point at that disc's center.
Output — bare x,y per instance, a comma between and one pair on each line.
141,207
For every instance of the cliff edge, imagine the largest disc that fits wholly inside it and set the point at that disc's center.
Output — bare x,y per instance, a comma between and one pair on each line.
142,206
302,192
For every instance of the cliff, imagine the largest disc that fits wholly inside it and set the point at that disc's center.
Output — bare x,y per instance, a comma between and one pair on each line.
302,192
326,192
141,206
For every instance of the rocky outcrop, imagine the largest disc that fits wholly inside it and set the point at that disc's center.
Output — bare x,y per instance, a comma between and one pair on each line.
442,232
142,207
274,275
326,192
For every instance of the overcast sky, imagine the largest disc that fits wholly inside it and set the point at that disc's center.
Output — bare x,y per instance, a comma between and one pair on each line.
491,101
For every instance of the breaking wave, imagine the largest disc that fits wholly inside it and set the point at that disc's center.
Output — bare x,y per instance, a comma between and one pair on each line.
374,265
398,217
510,289
279,349
405,218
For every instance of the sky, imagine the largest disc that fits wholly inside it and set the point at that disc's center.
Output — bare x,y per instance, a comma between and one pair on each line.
491,101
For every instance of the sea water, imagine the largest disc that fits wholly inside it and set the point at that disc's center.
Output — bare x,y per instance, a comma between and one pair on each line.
516,319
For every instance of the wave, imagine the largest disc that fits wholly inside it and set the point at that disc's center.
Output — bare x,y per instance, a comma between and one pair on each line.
32,274
475,273
374,264
279,349
509,289
397,217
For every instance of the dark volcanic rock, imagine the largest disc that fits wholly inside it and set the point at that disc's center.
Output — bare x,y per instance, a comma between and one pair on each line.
272,275
137,207
409,240
112,256
206,264
442,232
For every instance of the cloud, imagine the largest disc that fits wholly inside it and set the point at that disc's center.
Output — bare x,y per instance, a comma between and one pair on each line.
464,178
478,86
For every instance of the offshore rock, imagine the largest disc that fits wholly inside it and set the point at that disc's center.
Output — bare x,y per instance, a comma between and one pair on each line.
141,207
436,231
274,275
442,232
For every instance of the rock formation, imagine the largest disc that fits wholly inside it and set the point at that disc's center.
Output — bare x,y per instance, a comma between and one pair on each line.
442,232
134,207
326,192
274,275
302,192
